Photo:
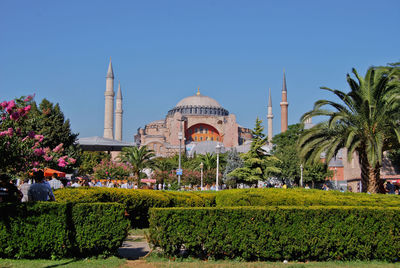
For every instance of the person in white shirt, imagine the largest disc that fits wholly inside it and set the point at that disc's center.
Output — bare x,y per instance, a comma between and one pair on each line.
55,183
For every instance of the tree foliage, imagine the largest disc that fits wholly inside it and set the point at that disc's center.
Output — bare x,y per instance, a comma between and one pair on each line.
258,164
138,158
285,149
48,120
233,162
365,121
21,148
89,160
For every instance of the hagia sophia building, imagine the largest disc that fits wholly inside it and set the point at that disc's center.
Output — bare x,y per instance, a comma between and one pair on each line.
197,123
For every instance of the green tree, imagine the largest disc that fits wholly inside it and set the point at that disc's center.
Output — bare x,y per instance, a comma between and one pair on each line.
258,165
138,158
233,162
89,160
364,122
285,148
48,120
22,149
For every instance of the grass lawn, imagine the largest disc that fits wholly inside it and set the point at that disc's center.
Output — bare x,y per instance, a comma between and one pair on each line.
92,262
157,261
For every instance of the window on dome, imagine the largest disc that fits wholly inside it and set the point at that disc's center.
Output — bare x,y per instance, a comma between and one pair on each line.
201,138
212,138
195,138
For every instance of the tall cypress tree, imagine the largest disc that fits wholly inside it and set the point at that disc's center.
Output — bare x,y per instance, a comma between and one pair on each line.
258,165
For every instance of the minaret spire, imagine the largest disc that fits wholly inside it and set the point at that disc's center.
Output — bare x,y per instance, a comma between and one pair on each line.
109,104
198,91
284,105
118,114
110,72
270,116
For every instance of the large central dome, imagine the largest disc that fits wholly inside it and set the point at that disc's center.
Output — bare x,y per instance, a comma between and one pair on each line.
198,100
199,105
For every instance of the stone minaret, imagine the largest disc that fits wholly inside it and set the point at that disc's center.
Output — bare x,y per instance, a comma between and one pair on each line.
109,107
270,116
118,115
284,106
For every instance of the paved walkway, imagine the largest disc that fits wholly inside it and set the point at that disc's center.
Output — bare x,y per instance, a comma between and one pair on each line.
134,247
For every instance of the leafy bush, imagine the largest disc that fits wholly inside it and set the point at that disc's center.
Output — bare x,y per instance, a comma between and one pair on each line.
137,202
278,233
301,197
48,230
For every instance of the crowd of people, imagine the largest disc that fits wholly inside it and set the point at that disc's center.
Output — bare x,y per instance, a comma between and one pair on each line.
39,188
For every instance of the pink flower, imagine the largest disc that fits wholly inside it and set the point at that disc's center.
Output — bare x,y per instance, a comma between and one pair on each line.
58,148
14,116
71,160
10,106
28,98
3,133
47,150
10,132
62,162
35,164
48,158
3,118
39,152
24,139
3,104
36,145
27,108
39,138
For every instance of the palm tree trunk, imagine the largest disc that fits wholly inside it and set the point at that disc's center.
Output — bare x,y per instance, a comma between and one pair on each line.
374,179
137,174
365,171
370,176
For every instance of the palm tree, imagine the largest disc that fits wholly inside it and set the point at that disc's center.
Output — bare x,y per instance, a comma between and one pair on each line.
138,158
209,160
366,123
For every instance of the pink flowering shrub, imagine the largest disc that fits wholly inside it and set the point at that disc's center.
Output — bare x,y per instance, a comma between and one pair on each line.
110,169
21,150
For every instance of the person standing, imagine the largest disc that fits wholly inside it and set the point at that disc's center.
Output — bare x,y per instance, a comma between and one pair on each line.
40,191
24,188
55,183
8,191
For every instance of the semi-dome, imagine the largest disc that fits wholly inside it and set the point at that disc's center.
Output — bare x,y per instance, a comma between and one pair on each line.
199,104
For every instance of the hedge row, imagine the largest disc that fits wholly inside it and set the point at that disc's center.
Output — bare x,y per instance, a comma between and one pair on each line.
278,233
301,197
137,202
49,229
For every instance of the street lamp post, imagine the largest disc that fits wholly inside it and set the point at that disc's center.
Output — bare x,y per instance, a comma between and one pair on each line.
201,175
180,137
218,149
301,175
179,164
336,183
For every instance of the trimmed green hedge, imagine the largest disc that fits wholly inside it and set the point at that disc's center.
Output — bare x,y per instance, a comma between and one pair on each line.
137,202
301,197
278,233
49,229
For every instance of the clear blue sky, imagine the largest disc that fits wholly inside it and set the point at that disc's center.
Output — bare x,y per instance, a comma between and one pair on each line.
162,50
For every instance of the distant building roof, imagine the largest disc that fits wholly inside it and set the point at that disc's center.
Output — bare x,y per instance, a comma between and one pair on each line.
203,148
102,144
